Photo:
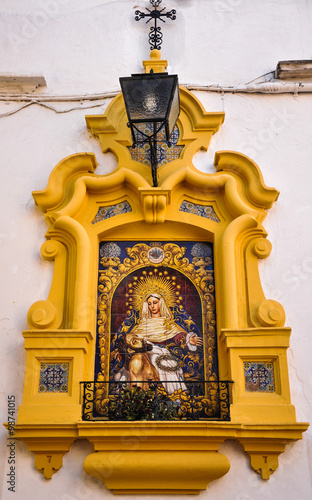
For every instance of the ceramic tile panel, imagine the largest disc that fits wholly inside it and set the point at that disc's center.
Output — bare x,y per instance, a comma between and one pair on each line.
165,153
259,376
205,211
133,275
104,213
53,377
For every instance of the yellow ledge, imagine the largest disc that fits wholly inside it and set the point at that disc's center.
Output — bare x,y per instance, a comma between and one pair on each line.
172,457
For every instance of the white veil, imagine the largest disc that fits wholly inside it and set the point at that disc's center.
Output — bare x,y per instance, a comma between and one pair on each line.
164,310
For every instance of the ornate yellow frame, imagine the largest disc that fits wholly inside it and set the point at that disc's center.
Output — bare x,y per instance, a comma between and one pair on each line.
172,457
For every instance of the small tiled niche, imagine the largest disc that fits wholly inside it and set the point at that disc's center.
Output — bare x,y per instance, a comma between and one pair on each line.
259,376
165,153
205,211
104,213
54,376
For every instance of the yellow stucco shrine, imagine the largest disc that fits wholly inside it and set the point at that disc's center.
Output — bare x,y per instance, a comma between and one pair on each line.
227,209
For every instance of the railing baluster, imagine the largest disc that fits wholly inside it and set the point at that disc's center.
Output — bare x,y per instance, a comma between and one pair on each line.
84,399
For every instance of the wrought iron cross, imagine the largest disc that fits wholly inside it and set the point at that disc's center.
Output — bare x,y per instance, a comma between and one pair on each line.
155,35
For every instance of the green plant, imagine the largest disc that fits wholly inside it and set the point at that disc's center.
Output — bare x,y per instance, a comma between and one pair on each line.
138,404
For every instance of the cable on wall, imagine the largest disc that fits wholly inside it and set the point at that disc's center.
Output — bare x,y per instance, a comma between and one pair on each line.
253,87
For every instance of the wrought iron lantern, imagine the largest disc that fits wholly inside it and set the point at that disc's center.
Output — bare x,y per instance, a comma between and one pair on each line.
153,106
152,100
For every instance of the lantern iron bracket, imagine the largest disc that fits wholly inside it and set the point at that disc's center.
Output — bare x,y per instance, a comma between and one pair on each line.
151,140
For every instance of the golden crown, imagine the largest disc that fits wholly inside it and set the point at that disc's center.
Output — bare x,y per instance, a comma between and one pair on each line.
155,281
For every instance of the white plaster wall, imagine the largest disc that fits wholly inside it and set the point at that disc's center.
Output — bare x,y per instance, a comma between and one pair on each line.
82,47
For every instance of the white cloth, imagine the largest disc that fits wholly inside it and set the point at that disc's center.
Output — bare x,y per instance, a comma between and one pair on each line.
171,380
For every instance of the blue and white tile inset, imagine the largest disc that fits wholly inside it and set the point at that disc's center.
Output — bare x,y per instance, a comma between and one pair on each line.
165,153
205,211
111,211
259,376
53,377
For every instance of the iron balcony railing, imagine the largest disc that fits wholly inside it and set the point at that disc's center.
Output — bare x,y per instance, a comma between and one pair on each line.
202,400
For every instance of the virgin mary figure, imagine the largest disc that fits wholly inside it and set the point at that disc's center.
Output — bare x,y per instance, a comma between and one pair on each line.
167,339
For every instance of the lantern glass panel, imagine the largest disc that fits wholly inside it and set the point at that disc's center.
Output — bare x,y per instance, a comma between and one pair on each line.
174,111
148,97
